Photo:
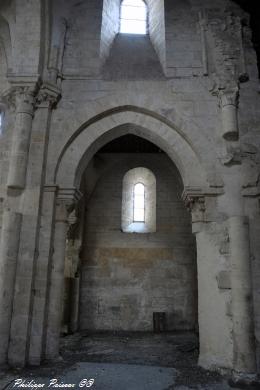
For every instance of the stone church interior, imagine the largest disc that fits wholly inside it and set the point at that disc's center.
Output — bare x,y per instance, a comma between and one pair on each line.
130,194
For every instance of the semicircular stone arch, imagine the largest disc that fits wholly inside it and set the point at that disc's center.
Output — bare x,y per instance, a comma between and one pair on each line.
82,146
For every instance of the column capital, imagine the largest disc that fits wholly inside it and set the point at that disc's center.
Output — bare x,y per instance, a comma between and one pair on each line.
227,92
21,98
68,197
195,200
229,97
48,96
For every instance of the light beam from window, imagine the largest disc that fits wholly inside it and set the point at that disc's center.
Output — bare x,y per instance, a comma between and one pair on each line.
133,18
1,122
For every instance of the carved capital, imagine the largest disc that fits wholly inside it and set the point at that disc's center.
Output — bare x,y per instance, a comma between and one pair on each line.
48,96
229,96
196,205
194,200
20,98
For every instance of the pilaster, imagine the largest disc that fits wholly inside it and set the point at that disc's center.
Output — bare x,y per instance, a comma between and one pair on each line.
65,204
30,198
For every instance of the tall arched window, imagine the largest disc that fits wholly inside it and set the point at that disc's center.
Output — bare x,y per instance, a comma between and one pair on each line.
139,202
1,121
133,17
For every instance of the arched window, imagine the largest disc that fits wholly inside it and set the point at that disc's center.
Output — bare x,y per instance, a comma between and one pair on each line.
1,121
139,202
133,17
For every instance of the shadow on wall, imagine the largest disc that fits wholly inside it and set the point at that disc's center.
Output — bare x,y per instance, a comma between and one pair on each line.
132,57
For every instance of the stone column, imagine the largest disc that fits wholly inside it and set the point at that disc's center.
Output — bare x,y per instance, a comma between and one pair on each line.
25,100
8,257
241,289
74,304
38,321
30,202
65,202
229,106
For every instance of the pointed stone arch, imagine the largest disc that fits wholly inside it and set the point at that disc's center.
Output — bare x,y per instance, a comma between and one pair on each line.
101,129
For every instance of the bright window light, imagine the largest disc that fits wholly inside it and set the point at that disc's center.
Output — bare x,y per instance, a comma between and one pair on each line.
139,202
1,122
133,19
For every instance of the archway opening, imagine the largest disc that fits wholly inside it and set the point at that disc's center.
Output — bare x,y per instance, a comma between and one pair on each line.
131,282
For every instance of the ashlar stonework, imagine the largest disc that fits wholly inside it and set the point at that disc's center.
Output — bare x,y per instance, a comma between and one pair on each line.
70,84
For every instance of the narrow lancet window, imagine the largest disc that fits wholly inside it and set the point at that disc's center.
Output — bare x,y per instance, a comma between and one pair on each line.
133,18
1,122
139,202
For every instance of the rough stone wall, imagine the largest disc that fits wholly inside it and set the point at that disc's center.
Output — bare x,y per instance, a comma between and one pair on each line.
183,41
127,276
83,38
211,81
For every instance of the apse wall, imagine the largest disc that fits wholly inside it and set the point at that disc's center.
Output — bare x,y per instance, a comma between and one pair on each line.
128,276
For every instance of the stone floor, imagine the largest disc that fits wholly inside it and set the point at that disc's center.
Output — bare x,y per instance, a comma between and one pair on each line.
127,361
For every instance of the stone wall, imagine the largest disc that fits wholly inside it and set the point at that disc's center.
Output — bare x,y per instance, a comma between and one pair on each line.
61,117
183,41
83,38
127,276
157,27
110,26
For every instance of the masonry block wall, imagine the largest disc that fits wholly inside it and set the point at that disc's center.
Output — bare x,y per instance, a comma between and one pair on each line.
186,96
128,276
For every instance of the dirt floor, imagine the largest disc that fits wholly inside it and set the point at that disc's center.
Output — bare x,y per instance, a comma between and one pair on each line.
127,361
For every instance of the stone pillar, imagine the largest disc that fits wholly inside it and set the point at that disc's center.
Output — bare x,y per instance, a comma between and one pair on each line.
229,106
25,100
8,257
215,324
30,202
252,207
38,322
74,304
64,206
241,288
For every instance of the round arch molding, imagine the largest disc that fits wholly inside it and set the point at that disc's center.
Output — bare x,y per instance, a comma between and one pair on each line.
92,135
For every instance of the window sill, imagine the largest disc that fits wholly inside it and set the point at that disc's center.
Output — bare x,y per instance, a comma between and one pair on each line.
138,227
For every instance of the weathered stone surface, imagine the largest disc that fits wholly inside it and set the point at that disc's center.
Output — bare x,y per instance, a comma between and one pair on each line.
196,98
